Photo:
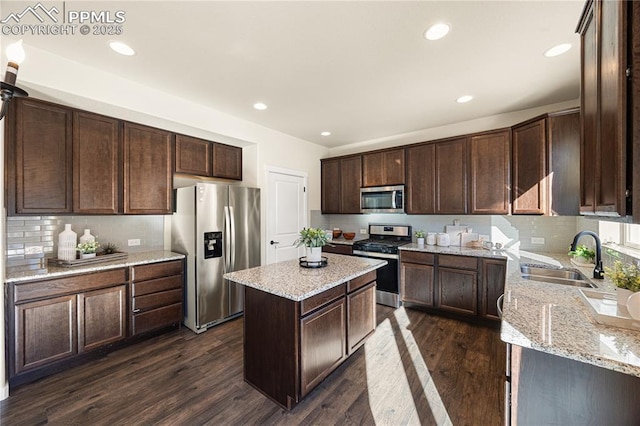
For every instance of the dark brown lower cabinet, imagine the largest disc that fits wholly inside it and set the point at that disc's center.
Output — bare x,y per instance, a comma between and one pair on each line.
458,291
52,323
338,249
156,296
545,389
464,286
291,346
102,317
56,319
45,332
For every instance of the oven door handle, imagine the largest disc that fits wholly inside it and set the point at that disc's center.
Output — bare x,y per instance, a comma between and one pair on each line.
375,254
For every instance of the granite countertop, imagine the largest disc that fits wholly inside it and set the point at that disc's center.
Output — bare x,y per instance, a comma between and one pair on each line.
553,318
456,250
132,259
343,241
289,280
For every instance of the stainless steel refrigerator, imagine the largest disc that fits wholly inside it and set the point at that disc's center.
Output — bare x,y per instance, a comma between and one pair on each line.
217,227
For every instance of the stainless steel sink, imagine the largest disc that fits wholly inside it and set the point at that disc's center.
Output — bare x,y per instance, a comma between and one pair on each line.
555,273
555,276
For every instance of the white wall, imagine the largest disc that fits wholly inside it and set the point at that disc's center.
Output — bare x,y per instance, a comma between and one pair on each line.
456,129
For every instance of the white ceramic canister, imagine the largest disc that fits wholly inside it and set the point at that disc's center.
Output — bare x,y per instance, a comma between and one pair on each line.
87,237
431,238
67,240
443,239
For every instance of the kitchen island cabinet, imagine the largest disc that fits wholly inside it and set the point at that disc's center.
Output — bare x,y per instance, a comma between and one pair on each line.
301,324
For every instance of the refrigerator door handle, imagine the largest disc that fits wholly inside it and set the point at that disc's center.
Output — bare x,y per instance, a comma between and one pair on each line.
227,239
233,239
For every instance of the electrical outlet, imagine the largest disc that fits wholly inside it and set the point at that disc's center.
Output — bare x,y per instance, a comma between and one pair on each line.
363,231
537,240
33,250
134,242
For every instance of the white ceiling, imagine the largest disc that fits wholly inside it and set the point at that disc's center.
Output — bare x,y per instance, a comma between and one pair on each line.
360,69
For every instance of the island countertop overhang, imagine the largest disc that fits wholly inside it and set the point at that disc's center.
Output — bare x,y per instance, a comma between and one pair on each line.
290,280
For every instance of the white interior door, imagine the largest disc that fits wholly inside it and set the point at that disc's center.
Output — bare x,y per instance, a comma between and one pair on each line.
286,213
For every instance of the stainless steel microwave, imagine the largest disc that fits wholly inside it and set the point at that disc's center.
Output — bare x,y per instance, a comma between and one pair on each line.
382,199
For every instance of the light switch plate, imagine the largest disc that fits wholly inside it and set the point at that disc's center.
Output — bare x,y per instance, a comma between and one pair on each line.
363,231
537,240
134,242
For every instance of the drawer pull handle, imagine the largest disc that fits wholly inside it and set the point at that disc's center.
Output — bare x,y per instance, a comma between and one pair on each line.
135,311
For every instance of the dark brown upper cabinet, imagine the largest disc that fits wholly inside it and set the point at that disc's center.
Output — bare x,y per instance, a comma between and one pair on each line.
210,159
490,172
227,161
97,164
148,166
563,130
437,177
193,156
606,112
383,168
39,158
341,181
421,177
529,167
451,176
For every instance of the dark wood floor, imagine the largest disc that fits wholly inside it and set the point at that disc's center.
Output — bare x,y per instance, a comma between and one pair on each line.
416,369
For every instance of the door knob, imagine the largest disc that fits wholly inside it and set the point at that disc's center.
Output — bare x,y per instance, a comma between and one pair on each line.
274,242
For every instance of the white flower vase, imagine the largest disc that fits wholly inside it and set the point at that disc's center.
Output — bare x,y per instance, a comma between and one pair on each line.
420,241
623,295
633,305
87,237
87,255
67,240
314,254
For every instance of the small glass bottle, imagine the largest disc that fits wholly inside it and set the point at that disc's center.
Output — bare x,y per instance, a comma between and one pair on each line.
67,240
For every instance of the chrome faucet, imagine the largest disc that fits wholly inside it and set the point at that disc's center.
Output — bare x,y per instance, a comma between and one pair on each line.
598,271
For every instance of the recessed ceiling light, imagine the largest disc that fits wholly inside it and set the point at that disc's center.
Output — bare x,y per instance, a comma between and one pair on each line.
557,50
260,106
437,31
464,99
325,134
122,48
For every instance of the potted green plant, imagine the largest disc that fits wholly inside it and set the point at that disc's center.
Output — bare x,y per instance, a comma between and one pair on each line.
420,237
313,239
88,249
626,277
583,254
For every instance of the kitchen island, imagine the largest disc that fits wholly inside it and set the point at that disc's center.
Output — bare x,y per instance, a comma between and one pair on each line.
300,323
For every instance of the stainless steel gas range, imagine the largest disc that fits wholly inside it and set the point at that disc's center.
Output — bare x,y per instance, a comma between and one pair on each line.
383,243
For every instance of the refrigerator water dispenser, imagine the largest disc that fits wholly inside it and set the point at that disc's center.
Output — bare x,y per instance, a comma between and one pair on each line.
212,245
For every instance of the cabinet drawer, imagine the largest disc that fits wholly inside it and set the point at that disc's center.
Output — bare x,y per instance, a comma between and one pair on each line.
156,270
416,257
338,249
155,300
68,285
154,286
361,281
460,262
318,300
156,318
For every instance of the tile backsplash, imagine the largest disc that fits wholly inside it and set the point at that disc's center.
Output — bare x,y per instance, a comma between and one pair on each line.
32,239
510,231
